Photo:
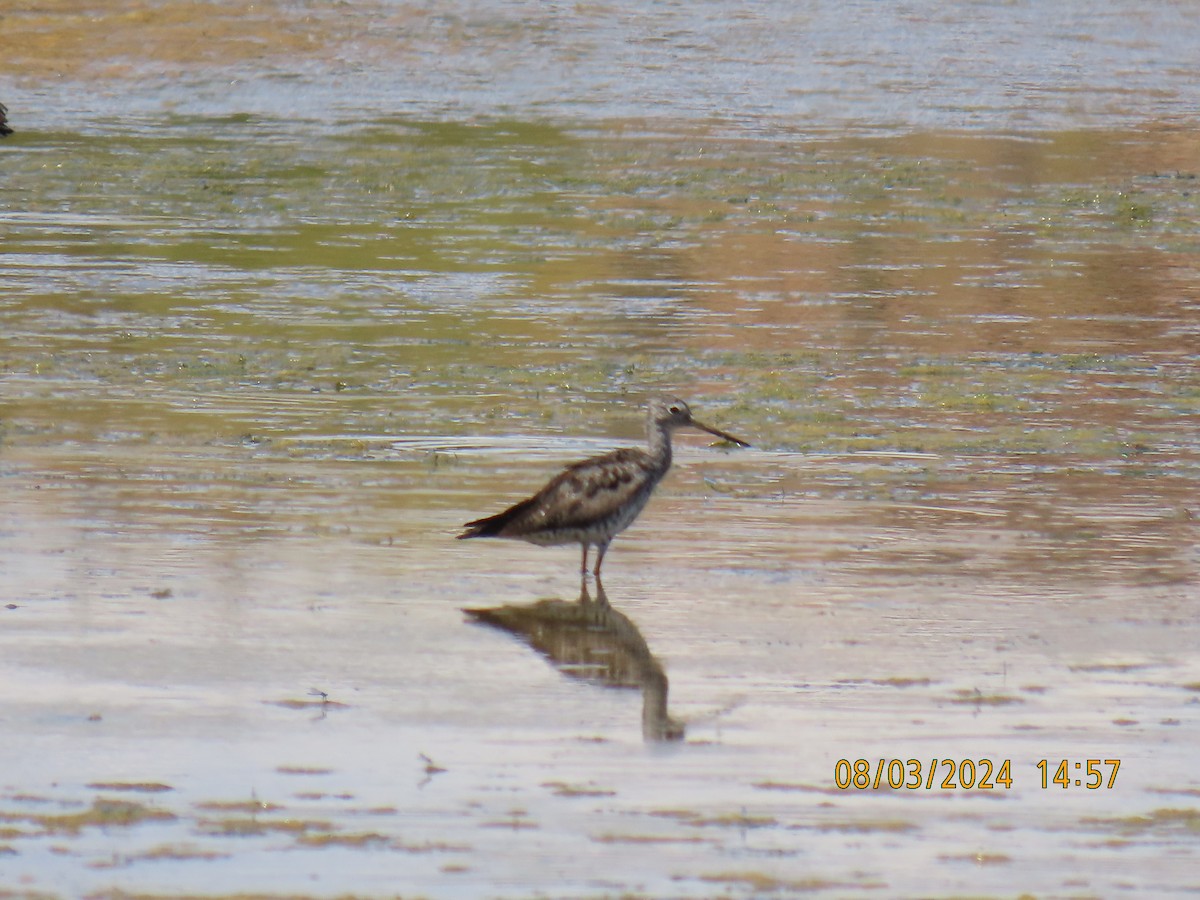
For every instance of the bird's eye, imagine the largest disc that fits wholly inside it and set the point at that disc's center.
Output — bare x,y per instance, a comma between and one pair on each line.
674,410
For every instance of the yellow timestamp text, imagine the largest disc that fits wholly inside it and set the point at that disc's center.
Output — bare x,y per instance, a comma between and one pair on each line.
969,774
1092,774
923,774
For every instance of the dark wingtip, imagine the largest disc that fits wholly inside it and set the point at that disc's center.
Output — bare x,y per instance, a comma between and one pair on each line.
493,526
471,529
488,527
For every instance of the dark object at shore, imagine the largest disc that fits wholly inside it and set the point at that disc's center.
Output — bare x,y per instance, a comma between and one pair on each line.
5,131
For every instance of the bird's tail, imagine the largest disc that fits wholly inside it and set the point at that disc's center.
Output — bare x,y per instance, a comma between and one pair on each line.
493,526
480,528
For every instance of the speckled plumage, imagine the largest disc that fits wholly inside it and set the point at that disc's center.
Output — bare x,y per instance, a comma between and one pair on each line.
592,501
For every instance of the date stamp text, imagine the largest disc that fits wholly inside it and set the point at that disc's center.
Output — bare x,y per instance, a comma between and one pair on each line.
970,774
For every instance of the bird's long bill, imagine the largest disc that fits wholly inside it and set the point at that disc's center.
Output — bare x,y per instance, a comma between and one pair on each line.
719,433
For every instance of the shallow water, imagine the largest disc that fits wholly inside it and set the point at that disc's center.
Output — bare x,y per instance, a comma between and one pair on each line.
273,327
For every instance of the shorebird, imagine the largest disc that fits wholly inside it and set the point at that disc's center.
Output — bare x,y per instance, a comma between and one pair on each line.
591,502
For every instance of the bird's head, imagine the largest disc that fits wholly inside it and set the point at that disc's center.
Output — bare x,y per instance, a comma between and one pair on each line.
671,413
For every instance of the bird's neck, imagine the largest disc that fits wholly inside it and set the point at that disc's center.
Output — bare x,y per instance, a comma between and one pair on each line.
660,446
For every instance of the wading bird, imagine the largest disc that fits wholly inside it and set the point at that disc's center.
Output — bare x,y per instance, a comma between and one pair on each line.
591,502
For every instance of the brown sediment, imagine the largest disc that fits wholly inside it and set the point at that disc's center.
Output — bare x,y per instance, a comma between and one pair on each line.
76,38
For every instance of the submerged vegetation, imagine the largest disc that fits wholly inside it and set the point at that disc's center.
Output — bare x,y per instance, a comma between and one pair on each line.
277,313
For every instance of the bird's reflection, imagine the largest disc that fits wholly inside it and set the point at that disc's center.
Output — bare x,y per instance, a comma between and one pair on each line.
590,640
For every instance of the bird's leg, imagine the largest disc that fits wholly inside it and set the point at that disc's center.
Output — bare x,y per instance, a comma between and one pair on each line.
601,549
583,564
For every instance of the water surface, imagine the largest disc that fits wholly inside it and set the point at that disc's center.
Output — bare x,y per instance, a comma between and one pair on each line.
284,306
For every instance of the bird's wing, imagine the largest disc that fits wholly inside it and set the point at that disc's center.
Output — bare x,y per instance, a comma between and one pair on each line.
586,493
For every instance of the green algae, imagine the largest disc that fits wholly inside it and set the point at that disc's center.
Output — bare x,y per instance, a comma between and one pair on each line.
102,813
